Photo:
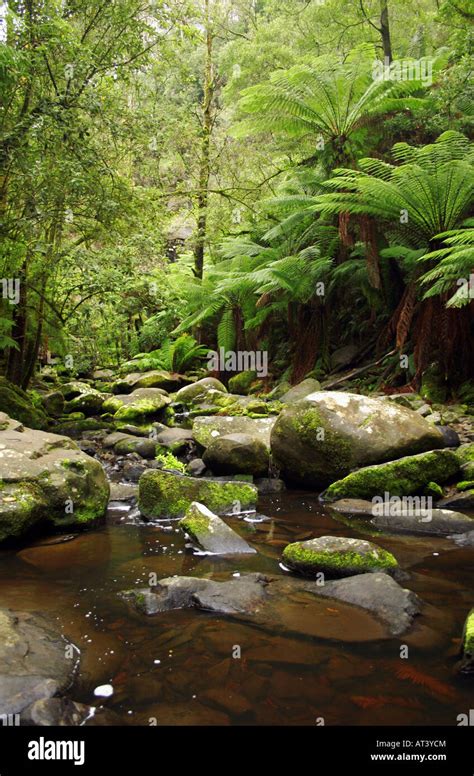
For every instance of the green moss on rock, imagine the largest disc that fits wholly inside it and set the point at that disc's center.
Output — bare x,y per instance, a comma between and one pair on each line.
18,405
164,494
334,557
242,382
402,477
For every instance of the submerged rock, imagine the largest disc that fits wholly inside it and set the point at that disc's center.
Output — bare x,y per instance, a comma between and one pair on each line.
275,603
210,533
402,477
237,454
322,437
45,478
34,665
206,429
337,556
266,485
165,494
244,594
60,712
378,593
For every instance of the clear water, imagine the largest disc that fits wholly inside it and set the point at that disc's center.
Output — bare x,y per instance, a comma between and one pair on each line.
326,661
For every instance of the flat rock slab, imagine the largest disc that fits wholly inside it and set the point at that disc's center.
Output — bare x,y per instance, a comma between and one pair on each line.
211,533
378,593
463,500
436,522
242,595
205,429
402,519
370,606
33,662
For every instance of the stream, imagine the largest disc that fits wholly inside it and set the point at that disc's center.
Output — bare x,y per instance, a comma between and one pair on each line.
182,666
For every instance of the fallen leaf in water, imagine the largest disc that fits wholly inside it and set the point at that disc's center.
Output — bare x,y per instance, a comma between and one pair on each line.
328,609
424,680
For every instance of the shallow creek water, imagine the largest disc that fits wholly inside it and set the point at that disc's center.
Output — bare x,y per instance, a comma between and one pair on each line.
178,667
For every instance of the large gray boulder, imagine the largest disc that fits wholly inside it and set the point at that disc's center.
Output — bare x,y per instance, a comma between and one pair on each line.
206,429
34,662
236,596
46,478
237,454
198,390
327,434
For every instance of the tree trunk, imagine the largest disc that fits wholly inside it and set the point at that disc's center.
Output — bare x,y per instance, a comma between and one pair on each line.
385,30
204,169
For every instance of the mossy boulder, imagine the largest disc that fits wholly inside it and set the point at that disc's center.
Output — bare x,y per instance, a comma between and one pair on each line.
190,393
76,388
301,390
53,403
141,406
46,479
237,454
206,429
156,378
465,453
403,477
75,428
166,494
16,403
89,403
210,532
242,382
322,437
337,556
433,490
433,386
467,664
146,448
